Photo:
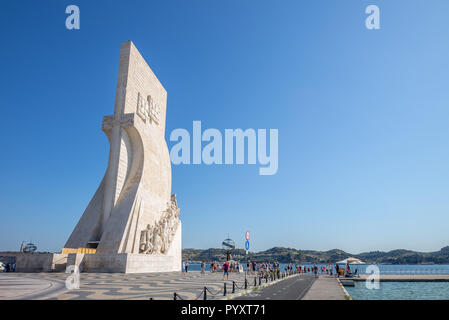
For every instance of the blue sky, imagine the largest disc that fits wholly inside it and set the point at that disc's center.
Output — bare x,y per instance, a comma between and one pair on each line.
362,117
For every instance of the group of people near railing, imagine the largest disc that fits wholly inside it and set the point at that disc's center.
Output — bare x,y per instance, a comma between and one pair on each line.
261,276
229,266
262,268
290,268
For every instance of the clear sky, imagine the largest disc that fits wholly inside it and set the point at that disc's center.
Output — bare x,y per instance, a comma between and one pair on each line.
362,117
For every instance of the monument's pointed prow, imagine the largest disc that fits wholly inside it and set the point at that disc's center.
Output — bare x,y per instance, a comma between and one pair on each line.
132,222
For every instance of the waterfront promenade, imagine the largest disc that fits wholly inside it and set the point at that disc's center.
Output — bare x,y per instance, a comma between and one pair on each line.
162,286
28,286
190,286
292,288
326,288
94,286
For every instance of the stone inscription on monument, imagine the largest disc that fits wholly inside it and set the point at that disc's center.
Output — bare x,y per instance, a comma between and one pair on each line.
132,221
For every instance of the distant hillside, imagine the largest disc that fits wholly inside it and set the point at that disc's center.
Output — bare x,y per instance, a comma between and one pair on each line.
285,255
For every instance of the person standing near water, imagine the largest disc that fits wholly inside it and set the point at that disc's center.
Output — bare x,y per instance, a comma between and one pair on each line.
226,270
186,266
203,266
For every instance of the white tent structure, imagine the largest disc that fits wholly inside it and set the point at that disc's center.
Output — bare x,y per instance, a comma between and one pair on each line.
351,260
348,261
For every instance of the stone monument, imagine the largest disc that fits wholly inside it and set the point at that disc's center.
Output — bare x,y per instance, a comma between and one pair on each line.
132,222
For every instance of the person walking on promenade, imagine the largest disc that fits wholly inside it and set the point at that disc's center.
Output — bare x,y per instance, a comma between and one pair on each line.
337,270
186,266
226,270
203,266
315,270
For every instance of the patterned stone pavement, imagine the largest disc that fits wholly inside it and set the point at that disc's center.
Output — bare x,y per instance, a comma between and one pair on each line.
140,286
21,286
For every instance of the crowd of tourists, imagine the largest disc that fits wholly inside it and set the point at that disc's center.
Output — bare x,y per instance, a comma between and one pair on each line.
7,267
264,269
226,267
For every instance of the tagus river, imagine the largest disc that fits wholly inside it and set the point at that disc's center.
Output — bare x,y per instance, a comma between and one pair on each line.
401,291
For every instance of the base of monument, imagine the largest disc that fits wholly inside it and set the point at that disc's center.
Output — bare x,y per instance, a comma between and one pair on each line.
127,263
36,262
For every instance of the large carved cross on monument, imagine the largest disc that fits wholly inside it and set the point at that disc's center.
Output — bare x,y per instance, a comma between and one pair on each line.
114,123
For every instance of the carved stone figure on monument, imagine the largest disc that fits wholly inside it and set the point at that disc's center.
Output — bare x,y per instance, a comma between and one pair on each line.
167,236
157,241
170,225
145,240
173,200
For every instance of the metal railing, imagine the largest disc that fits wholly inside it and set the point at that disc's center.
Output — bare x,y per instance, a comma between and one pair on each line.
268,276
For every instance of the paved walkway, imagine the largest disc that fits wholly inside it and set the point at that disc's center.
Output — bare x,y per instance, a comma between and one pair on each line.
292,288
98,286
117,285
18,287
325,288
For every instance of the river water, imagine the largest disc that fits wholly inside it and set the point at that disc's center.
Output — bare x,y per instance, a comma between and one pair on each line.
401,291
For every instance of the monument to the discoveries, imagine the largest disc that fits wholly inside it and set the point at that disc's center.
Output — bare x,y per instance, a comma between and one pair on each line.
132,222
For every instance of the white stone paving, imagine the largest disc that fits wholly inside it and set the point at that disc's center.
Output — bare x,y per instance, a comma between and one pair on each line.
121,286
